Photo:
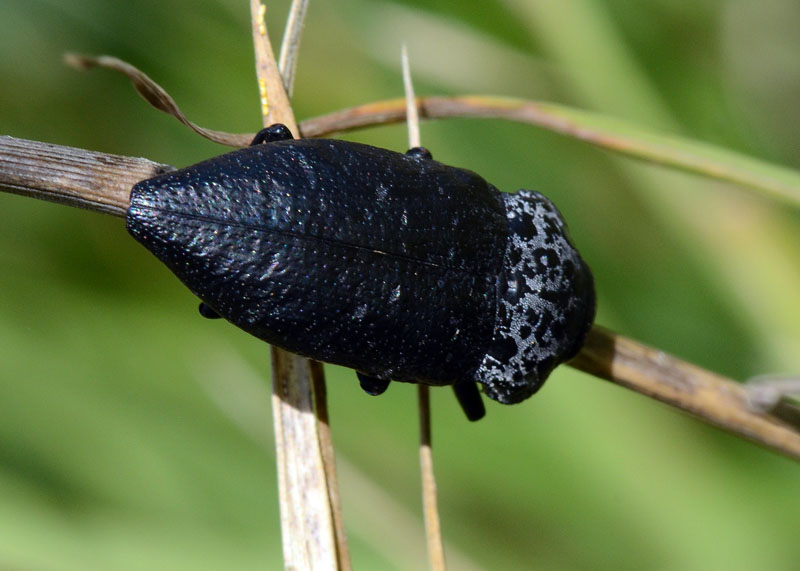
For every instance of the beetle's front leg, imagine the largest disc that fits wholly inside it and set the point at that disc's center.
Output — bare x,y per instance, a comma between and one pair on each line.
469,397
271,134
419,153
372,385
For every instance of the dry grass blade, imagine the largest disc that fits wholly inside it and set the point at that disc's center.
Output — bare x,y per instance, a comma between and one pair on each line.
711,397
311,521
329,462
604,132
307,523
433,529
412,114
154,94
275,106
290,45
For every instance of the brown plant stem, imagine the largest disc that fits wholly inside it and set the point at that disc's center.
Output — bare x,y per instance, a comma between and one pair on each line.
433,530
71,176
713,398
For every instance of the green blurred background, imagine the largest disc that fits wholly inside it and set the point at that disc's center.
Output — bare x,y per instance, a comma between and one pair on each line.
136,435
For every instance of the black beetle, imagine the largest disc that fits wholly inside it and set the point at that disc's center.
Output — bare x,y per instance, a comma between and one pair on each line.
394,265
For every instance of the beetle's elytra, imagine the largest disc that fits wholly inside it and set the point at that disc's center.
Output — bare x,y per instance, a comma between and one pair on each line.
394,265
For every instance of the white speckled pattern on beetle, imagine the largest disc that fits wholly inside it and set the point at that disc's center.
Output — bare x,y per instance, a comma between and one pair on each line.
542,291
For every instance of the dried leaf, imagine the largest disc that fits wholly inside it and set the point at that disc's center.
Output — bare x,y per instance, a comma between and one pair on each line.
155,95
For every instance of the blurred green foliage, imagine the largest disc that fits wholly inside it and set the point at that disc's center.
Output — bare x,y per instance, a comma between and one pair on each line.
135,435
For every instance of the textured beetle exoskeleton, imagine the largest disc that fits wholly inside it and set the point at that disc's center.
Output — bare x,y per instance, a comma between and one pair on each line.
546,301
397,266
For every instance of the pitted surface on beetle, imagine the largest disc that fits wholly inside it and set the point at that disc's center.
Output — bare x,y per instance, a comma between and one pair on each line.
394,265
546,301
342,252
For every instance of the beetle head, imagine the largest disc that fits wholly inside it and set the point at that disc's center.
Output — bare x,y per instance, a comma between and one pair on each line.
546,301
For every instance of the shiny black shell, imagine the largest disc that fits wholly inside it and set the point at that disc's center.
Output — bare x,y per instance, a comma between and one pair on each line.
346,253
394,265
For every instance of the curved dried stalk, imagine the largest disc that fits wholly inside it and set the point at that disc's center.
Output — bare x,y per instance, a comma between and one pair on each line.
151,92
604,132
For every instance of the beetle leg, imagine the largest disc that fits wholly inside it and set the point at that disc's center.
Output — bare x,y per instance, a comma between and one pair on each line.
276,132
469,397
419,153
372,385
207,312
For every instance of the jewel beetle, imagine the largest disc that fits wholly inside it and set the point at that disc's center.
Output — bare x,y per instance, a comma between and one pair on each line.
395,265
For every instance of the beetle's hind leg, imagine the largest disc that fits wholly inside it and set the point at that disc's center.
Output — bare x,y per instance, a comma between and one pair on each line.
271,134
372,385
469,397
207,312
